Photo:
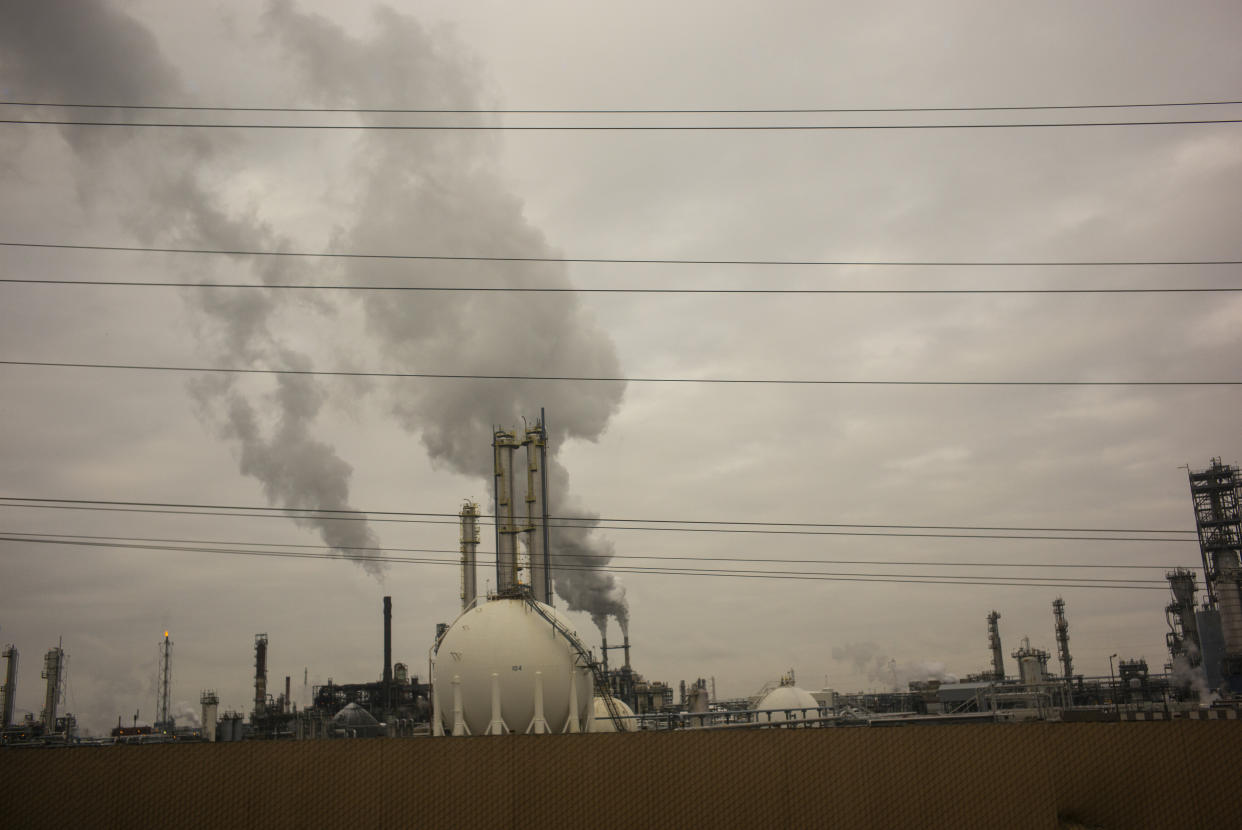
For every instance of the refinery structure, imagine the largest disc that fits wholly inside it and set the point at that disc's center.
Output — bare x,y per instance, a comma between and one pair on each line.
511,663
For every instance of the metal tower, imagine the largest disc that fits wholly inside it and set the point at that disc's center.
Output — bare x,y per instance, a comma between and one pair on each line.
1062,631
10,685
994,640
1215,493
469,516
163,722
536,529
1183,636
503,446
260,676
54,673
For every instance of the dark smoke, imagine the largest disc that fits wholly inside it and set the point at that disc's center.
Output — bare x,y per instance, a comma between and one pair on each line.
60,50
440,193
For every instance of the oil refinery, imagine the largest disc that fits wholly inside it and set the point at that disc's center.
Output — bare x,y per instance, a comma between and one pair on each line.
510,663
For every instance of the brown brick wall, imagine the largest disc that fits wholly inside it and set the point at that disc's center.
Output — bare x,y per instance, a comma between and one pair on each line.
1113,775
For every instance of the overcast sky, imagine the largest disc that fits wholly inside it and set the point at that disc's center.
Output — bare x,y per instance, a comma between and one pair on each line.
993,456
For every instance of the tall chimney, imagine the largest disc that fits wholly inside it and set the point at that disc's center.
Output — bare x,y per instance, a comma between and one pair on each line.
260,676
627,649
387,641
603,649
469,516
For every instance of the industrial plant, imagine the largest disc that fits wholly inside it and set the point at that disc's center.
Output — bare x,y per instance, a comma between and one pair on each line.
510,663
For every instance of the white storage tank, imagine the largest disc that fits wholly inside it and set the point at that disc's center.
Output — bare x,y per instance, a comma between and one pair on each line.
786,701
502,662
603,720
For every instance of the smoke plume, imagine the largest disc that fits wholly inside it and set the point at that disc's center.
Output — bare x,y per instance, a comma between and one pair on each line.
61,50
439,192
869,660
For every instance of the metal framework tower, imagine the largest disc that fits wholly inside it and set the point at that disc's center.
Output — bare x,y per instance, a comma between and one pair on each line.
469,516
530,571
260,676
1215,494
1062,632
10,685
54,673
162,719
994,640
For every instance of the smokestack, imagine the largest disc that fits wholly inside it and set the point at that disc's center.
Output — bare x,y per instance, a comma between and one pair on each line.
626,641
387,641
469,516
536,529
603,649
287,703
503,446
260,676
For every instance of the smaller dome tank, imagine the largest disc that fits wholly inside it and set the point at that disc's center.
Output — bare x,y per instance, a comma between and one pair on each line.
787,702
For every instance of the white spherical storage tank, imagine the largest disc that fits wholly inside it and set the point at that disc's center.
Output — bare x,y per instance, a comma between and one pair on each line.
603,720
501,662
774,705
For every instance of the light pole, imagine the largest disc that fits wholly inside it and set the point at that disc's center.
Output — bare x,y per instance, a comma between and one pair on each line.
1113,684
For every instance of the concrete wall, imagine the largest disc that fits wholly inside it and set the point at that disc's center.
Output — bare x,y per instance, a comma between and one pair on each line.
1112,775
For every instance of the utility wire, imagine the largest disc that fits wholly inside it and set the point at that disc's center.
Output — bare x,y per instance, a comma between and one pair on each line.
463,289
618,111
615,127
593,526
632,261
737,574
317,512
605,379
607,556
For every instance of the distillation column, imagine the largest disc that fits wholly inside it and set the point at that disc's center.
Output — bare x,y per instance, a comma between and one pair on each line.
1062,632
503,446
1183,636
260,677
10,685
469,516
53,672
210,702
994,640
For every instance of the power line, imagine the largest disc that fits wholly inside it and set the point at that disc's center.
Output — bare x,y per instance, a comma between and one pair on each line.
610,556
595,526
632,261
605,379
618,111
737,574
616,127
463,289
318,511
